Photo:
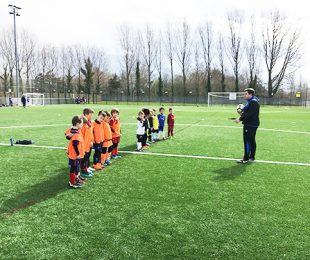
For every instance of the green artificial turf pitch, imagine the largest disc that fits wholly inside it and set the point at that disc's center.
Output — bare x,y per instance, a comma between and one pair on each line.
158,207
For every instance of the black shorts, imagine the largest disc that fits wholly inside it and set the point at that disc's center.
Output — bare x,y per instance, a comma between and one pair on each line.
140,138
155,131
110,149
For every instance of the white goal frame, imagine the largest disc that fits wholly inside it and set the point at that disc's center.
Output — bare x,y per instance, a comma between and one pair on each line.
228,95
34,99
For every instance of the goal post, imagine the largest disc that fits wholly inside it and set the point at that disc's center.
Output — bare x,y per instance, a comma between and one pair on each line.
34,99
222,98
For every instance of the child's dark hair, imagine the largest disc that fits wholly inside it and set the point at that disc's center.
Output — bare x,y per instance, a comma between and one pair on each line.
101,112
170,109
107,113
87,111
114,110
146,111
161,108
76,120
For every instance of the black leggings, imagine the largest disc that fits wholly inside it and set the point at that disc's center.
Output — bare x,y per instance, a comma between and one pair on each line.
249,134
97,154
85,160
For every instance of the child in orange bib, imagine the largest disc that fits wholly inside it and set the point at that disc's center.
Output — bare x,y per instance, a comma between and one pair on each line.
75,151
115,125
107,143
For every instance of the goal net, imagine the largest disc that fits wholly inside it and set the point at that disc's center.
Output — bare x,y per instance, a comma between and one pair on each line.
225,98
34,99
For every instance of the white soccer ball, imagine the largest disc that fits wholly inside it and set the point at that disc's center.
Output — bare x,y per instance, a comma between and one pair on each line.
240,108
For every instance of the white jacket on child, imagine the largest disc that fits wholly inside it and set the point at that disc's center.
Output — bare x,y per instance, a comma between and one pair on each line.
140,128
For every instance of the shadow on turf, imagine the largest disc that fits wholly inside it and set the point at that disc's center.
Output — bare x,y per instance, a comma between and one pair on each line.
35,194
229,173
43,191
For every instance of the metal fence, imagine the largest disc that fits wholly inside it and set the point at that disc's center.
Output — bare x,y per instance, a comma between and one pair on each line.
204,100
303,102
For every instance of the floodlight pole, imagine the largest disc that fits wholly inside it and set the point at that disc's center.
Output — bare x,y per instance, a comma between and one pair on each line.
14,12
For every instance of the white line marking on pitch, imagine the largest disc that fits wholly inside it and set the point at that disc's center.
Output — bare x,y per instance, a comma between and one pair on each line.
31,126
172,155
197,125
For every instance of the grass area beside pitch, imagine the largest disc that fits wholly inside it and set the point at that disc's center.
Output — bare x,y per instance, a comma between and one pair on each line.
145,206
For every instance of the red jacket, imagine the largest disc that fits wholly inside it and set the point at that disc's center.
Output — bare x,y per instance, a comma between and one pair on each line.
170,119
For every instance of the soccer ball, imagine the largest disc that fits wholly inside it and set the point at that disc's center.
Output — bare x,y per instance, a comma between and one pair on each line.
240,108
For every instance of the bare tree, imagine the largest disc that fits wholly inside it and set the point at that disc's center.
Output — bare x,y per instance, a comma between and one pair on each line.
159,62
67,67
8,52
221,57
170,51
183,52
100,63
281,49
197,70
4,76
148,51
42,61
79,62
251,53
129,46
235,21
26,56
52,67
206,37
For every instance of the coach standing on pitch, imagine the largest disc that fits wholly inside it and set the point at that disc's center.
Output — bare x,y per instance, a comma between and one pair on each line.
250,120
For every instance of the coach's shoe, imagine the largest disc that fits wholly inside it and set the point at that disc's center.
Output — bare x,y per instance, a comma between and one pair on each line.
243,161
251,159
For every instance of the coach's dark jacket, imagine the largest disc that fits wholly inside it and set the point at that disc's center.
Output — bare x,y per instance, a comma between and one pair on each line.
250,113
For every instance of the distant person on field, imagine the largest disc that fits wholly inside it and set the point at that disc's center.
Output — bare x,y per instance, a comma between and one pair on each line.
23,100
170,122
115,125
250,120
161,120
10,102
75,151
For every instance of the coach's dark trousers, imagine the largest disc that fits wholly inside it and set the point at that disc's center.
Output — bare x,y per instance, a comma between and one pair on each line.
249,134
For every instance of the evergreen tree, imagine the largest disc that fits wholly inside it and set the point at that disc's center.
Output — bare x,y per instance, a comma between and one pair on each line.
114,84
138,80
88,74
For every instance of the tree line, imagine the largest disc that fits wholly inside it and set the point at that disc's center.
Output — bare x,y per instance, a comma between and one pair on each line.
178,60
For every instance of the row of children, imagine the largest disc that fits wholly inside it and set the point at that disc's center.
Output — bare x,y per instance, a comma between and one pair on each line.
150,127
103,135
